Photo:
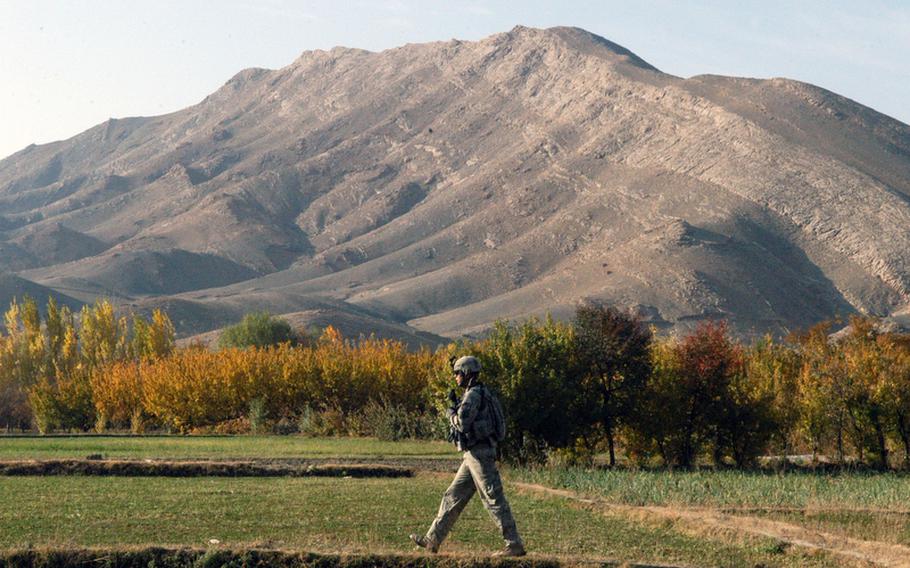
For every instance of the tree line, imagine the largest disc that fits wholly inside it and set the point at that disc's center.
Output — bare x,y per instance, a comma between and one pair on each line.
603,382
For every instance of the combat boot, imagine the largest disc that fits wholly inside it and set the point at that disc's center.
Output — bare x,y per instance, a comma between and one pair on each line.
514,549
424,542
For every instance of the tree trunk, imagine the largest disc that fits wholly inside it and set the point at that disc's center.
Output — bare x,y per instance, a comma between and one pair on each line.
840,443
610,442
688,449
903,429
718,453
663,453
607,417
882,445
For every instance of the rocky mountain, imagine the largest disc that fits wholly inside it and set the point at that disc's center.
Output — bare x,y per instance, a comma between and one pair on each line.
439,187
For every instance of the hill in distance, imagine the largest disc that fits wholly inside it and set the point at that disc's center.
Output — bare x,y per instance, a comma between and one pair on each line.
435,188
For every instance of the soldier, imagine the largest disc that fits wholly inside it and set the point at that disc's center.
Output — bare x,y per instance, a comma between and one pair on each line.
477,425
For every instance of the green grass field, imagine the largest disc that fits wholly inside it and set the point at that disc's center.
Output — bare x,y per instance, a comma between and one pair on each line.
332,515
214,447
864,506
887,492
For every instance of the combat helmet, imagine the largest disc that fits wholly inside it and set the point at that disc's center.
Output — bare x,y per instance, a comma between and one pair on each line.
468,365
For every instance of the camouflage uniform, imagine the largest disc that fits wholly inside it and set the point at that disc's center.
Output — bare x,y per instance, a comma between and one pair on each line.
477,473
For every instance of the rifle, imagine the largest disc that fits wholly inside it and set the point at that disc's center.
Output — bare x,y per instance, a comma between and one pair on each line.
454,434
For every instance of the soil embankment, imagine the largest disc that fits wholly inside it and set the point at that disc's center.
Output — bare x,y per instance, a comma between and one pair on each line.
151,468
255,558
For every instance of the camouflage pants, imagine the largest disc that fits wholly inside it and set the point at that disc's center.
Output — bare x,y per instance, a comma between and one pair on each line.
477,473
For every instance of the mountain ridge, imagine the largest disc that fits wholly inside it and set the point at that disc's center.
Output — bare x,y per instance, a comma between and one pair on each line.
445,185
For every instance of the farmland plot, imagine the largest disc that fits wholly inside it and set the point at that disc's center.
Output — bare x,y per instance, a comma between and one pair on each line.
360,516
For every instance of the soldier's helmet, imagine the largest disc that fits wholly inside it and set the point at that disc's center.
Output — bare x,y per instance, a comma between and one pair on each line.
467,365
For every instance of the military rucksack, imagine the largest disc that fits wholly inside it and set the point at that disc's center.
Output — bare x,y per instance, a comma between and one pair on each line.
491,422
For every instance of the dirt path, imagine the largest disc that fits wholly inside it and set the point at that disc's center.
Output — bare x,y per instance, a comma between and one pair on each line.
879,553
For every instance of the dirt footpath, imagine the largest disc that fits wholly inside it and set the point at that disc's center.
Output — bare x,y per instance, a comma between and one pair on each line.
701,519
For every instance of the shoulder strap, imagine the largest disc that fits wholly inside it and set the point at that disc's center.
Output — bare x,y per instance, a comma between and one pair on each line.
483,397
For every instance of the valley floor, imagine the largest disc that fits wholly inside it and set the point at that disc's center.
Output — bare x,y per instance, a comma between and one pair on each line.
567,516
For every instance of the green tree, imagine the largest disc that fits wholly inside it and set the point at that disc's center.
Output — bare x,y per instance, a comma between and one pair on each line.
531,367
821,416
258,329
896,389
772,369
864,392
153,338
747,418
23,360
103,337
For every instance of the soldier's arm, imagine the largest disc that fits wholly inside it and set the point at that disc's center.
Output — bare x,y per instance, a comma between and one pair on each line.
464,416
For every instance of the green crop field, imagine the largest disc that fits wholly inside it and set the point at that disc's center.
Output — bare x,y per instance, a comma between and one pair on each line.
601,515
332,515
214,447
706,488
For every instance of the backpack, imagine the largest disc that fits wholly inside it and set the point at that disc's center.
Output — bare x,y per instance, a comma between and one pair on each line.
492,425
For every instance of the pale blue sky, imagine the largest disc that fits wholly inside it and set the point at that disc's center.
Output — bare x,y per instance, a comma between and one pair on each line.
68,65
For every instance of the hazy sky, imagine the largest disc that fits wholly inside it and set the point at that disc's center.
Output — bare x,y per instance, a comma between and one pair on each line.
68,65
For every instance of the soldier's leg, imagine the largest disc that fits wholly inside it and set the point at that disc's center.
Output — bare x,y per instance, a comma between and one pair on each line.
482,464
453,503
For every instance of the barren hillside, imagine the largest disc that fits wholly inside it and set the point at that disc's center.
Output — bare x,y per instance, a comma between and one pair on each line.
441,186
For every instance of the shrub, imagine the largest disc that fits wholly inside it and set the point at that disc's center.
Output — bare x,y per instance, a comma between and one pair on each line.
195,388
117,395
64,402
285,426
389,421
258,416
326,422
233,426
257,330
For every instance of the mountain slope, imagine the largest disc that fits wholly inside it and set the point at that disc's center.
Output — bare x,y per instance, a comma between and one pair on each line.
446,185
15,288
